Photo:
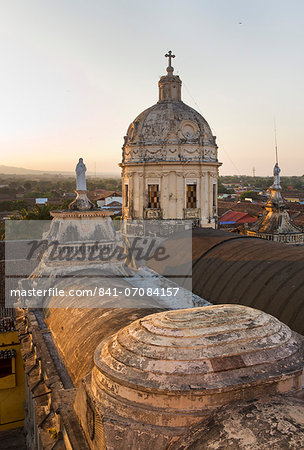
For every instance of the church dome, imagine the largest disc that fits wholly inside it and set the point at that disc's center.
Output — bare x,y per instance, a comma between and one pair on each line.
173,368
172,121
169,130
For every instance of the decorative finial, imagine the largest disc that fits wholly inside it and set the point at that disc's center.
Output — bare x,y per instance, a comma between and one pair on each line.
169,68
170,85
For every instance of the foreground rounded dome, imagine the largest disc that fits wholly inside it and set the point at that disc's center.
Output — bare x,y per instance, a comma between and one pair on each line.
173,368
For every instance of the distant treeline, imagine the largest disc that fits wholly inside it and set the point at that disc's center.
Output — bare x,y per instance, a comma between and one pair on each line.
263,183
51,187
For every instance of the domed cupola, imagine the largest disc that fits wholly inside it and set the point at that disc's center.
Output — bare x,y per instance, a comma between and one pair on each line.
170,121
169,137
173,369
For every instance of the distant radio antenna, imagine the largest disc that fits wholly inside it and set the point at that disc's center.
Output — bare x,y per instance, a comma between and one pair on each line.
253,172
275,140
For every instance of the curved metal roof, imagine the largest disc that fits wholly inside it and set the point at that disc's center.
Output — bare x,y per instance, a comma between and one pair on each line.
229,268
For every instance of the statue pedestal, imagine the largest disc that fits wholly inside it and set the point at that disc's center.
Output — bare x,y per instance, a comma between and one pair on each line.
81,202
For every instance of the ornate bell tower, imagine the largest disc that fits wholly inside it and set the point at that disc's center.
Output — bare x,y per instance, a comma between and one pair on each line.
169,160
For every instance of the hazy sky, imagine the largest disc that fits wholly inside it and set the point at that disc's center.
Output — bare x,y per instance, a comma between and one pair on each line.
75,73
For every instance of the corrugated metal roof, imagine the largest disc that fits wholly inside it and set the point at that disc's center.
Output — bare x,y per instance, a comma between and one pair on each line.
228,268
265,275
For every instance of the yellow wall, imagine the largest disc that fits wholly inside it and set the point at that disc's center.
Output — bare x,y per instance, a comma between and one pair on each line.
12,387
293,200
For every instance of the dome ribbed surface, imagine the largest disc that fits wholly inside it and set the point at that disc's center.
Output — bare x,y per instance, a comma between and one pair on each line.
164,121
188,360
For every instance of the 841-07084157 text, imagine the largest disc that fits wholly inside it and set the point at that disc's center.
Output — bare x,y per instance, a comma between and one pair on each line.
141,292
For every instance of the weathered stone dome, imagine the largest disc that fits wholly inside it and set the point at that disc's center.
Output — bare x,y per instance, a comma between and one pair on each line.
172,121
170,130
173,368
276,423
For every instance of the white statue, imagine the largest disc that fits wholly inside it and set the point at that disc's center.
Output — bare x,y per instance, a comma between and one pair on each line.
81,184
276,173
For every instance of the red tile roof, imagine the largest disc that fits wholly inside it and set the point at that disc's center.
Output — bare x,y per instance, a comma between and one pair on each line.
236,217
100,194
254,209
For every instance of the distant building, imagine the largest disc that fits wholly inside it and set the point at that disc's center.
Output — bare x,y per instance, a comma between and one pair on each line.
41,201
113,198
226,196
98,194
236,218
293,197
109,198
12,378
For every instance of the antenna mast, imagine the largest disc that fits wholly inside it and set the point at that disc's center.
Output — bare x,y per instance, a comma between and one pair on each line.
275,141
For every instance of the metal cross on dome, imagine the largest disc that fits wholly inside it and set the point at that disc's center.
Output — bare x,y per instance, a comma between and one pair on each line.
169,55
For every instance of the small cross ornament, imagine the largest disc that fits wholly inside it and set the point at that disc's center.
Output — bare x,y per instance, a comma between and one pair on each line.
169,55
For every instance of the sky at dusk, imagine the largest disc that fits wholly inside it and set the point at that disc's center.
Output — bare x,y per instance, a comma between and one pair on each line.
76,73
